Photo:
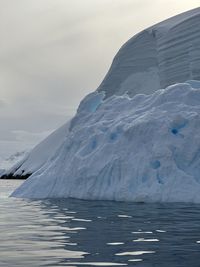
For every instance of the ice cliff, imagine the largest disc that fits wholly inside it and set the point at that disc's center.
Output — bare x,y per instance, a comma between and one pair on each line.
164,54
131,140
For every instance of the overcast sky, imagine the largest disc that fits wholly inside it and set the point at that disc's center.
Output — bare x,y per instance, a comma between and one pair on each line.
54,52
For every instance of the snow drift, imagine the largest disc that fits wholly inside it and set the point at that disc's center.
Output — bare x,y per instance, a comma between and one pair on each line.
131,140
145,148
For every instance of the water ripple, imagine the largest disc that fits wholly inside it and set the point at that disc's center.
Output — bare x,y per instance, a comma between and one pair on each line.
96,233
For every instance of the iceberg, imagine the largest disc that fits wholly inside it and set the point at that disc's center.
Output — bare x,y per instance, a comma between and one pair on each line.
145,149
130,140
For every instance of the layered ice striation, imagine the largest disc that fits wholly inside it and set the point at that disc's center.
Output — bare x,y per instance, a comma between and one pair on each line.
131,140
143,149
164,54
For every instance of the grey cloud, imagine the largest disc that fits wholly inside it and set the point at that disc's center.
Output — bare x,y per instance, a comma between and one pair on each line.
2,103
30,137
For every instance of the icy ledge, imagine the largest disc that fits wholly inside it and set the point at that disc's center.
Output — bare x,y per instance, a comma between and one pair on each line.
143,149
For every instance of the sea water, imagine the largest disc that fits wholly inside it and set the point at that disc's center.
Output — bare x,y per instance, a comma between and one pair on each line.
69,232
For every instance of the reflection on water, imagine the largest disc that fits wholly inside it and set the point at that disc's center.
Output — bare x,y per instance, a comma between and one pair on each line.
96,233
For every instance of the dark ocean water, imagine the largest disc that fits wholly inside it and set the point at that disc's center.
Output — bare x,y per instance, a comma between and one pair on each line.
96,233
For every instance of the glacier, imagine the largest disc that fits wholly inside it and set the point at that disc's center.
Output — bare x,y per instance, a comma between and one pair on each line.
130,140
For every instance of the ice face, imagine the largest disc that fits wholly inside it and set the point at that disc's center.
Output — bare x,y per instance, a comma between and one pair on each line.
159,56
193,83
91,102
144,148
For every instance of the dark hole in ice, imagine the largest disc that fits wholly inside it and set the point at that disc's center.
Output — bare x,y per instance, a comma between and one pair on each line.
174,131
113,136
155,164
94,144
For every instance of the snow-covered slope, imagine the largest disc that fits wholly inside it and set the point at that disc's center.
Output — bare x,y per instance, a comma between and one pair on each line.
164,54
145,148
40,154
7,163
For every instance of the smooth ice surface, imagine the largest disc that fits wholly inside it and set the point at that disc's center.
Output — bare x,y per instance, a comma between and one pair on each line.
164,54
143,149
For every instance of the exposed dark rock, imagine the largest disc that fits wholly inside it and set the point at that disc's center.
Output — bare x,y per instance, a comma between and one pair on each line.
12,176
